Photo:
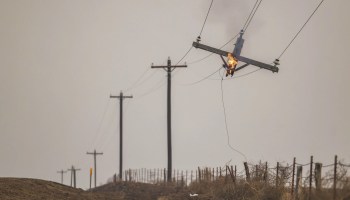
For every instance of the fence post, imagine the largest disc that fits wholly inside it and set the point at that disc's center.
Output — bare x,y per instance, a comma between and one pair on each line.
299,181
247,171
213,175
335,178
277,170
199,174
310,183
318,168
266,172
293,175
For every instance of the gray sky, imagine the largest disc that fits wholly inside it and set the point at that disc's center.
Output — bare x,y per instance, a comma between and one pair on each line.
60,60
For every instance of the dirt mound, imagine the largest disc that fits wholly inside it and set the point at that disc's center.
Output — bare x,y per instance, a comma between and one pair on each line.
132,190
27,189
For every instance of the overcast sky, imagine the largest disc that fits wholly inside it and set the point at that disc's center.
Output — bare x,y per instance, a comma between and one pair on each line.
61,59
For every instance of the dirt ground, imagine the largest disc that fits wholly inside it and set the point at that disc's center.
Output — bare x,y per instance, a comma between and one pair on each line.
27,189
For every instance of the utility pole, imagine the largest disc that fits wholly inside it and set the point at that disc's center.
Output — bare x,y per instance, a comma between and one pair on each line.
62,172
169,68
73,176
121,97
95,154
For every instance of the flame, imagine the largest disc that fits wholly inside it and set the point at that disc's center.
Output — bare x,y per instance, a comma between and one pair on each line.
232,61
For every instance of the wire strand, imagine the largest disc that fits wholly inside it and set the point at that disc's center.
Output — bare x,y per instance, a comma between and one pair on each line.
300,30
245,29
227,132
250,14
205,21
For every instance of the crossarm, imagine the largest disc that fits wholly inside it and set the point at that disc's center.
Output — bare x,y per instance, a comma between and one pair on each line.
210,49
257,63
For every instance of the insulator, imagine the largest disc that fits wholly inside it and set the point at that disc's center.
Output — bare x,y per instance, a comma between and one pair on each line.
276,62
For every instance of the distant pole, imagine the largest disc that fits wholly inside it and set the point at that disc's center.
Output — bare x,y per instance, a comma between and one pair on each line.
62,172
95,154
169,68
73,176
121,97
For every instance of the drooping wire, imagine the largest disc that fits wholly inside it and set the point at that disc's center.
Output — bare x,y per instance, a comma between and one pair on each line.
200,33
300,29
194,83
156,87
101,122
252,16
184,55
137,80
227,132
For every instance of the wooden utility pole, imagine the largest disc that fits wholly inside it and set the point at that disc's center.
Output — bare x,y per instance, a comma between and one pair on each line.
73,177
169,68
95,154
62,172
121,97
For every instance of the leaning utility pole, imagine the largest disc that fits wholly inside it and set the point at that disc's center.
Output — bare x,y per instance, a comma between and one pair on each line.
62,172
121,97
94,153
73,176
169,68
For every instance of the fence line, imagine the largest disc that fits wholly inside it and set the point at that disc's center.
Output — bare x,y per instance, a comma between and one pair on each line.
285,176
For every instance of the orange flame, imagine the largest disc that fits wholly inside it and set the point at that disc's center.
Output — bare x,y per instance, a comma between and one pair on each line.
232,61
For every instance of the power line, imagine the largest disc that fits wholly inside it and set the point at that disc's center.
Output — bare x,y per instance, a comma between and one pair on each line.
300,29
200,33
157,86
252,16
227,132
194,83
100,124
137,80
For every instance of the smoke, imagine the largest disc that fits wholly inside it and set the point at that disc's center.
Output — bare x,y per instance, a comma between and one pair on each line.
230,14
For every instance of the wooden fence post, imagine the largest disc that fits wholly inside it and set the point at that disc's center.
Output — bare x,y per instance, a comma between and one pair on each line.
310,178
335,178
247,171
293,175
266,172
199,174
318,172
298,183
277,170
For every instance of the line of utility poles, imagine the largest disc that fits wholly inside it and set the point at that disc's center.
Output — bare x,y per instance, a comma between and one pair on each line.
62,172
73,176
121,97
169,68
94,154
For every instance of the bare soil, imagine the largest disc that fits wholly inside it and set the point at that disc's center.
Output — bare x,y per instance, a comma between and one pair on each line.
28,189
